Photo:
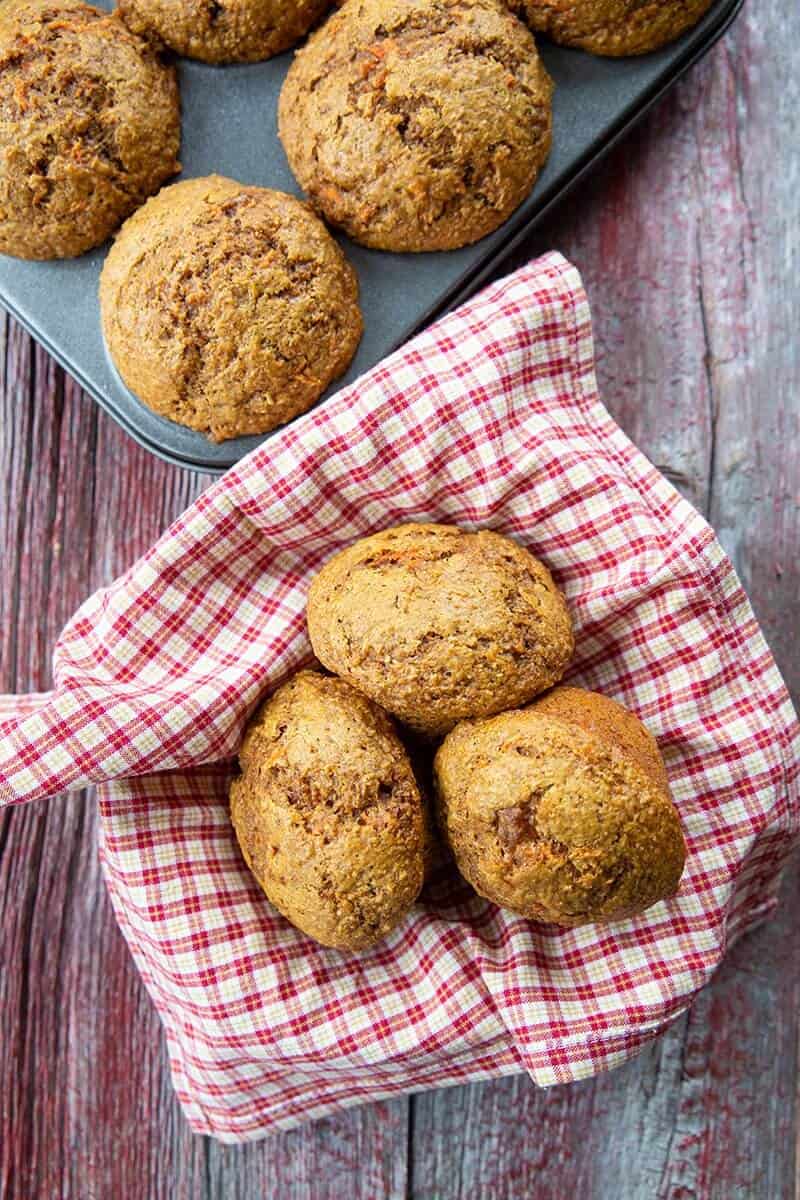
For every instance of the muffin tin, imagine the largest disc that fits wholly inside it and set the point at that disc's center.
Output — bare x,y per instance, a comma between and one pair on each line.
230,126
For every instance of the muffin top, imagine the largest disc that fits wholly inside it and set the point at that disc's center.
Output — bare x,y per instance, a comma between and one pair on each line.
224,30
438,624
328,813
89,126
417,124
561,811
612,27
228,308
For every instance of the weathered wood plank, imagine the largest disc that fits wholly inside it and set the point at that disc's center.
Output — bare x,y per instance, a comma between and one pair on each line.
688,243
86,1109
708,1111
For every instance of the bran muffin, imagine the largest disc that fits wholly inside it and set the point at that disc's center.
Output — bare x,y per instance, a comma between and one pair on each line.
222,31
614,28
89,126
437,624
417,124
561,811
328,813
227,308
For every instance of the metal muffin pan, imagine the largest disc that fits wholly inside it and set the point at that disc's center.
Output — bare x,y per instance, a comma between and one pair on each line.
230,127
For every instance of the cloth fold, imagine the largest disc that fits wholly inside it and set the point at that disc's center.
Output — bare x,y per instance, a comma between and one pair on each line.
489,418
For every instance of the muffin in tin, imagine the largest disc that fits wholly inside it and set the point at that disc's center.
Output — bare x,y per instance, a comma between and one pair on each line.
89,126
227,308
220,31
438,624
561,811
417,124
328,813
615,28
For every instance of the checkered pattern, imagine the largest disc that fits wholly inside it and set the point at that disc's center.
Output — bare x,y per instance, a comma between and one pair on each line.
491,418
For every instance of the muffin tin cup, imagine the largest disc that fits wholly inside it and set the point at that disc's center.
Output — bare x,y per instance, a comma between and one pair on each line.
230,127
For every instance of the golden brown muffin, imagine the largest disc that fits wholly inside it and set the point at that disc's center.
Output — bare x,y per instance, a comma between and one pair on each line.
218,31
328,813
417,124
561,811
612,27
437,624
89,126
228,308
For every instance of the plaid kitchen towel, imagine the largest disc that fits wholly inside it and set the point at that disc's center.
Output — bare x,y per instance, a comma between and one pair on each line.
490,418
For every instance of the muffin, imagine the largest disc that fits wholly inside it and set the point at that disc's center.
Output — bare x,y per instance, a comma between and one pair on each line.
89,126
561,811
417,124
226,308
328,813
612,27
437,624
224,30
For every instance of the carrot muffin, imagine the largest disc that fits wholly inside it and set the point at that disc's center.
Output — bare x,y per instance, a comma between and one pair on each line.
218,31
417,124
612,27
437,624
328,813
89,126
226,308
561,811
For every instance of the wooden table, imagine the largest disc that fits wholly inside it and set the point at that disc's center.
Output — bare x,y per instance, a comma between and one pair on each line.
689,243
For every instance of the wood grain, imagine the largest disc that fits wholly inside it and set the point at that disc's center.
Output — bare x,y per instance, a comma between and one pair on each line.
688,243
87,1110
688,239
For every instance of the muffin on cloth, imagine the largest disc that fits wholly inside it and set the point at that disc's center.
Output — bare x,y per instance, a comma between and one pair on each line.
490,418
561,811
417,124
438,624
612,27
226,308
89,126
328,813
219,31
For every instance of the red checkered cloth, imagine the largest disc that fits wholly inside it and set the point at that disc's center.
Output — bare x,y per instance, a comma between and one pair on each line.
490,418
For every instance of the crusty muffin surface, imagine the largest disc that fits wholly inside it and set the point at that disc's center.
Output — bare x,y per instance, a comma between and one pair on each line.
328,813
219,31
612,27
561,811
89,126
437,624
227,308
417,124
